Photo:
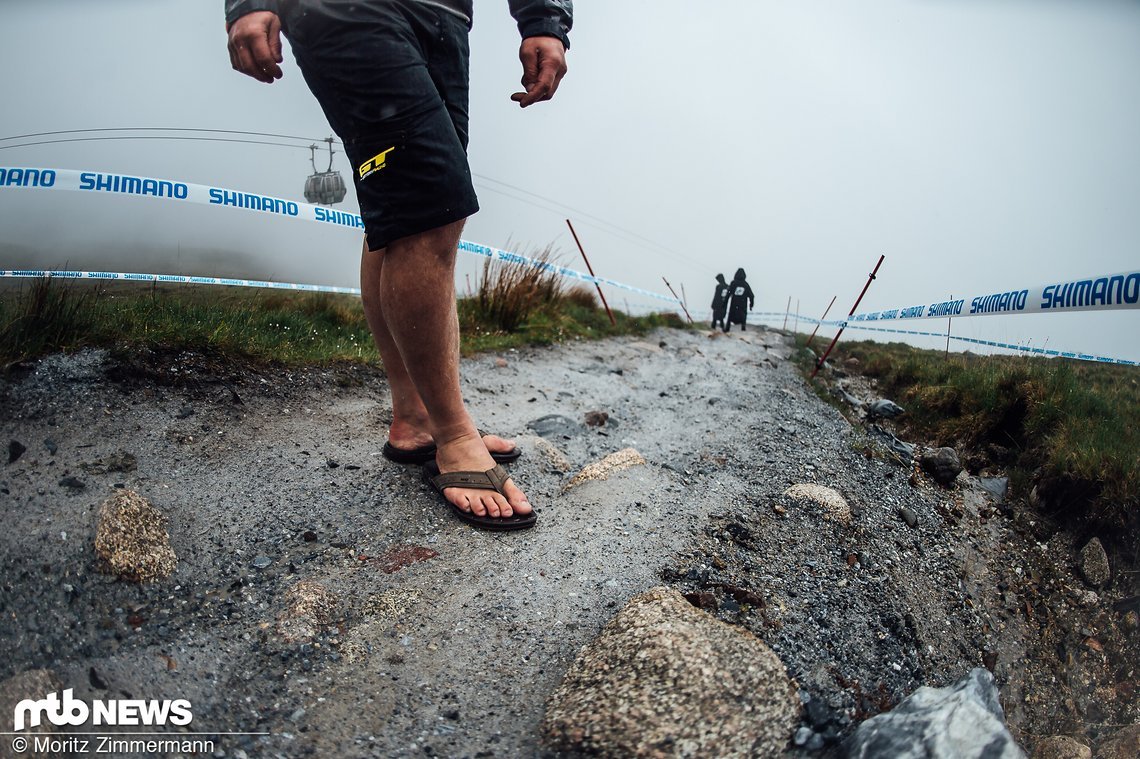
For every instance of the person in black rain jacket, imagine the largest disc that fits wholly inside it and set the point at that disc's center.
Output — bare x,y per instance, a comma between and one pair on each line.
741,301
720,301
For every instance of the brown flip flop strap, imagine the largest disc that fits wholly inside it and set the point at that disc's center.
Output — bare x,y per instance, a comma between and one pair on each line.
492,479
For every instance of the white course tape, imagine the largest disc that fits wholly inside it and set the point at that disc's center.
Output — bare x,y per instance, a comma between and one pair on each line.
185,192
1099,293
971,340
173,278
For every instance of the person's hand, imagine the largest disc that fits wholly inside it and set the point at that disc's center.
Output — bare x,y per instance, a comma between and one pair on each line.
544,65
255,46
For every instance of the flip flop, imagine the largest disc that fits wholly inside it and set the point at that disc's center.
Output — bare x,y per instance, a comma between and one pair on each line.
492,479
426,453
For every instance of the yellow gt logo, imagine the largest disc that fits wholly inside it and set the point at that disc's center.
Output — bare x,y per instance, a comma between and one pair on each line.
375,163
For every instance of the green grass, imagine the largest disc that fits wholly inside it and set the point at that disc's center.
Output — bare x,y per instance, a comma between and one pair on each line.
261,326
1069,428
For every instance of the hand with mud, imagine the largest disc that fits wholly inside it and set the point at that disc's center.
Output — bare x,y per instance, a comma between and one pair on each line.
255,46
544,65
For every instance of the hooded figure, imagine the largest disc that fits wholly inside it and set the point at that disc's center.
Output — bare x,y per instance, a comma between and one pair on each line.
720,301
741,303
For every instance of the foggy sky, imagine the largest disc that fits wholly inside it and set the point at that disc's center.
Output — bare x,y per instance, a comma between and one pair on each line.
979,146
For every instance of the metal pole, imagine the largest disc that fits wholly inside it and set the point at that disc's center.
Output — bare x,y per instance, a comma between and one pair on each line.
684,298
678,299
829,305
609,313
796,323
870,279
786,310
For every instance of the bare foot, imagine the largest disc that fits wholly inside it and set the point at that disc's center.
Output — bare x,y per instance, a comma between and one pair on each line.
409,435
468,453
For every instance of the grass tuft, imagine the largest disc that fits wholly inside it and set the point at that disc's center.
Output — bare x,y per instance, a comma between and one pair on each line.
284,327
1070,429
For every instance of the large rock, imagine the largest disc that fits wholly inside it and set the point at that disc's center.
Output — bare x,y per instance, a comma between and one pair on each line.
1123,744
962,721
131,541
33,684
664,679
942,464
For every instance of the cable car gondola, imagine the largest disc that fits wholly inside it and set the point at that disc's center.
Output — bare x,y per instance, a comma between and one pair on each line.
324,187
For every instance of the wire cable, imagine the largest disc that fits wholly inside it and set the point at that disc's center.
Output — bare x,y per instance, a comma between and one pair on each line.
165,129
191,139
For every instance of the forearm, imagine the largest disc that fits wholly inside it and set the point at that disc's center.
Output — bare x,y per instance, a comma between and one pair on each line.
235,9
544,18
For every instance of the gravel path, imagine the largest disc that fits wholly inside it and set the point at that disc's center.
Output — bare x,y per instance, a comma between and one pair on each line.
439,639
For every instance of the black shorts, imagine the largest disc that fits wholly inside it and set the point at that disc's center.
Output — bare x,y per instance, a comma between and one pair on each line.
392,79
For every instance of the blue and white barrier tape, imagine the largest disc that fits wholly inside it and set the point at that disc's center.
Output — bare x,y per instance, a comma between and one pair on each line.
173,278
974,341
121,184
1106,292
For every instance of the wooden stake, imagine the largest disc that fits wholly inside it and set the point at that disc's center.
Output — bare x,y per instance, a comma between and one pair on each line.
589,268
678,299
829,305
870,279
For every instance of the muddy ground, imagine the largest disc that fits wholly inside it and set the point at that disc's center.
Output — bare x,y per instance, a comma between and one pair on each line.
443,640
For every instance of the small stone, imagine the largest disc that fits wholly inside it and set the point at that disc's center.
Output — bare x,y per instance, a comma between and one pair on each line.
602,470
802,736
596,418
942,464
836,506
1093,563
883,408
261,562
131,541
73,483
15,450
555,426
309,609
702,600
908,516
500,363
1061,747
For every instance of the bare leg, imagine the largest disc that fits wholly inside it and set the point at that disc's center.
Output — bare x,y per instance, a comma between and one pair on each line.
410,428
413,303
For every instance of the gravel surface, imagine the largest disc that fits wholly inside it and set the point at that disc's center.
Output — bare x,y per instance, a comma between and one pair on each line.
325,598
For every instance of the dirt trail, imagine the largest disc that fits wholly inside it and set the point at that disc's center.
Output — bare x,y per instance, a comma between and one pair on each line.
447,640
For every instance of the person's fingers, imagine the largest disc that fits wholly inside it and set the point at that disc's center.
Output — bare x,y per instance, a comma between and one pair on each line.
528,55
246,64
264,58
544,65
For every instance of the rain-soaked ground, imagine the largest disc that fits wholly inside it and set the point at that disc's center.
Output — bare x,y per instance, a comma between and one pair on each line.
435,638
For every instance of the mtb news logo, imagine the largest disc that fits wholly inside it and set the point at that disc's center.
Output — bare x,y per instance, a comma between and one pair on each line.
74,712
